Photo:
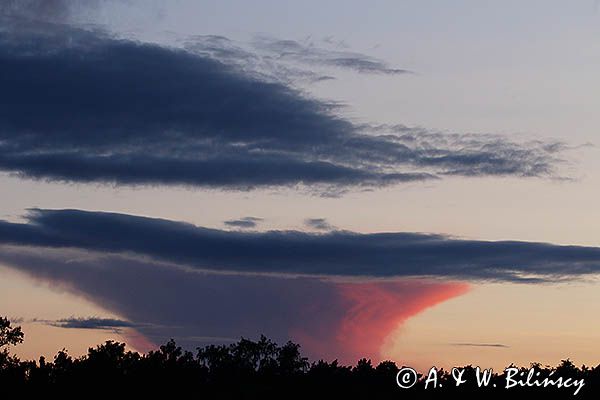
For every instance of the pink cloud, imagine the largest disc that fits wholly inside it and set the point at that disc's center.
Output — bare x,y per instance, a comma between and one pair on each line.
367,313
330,319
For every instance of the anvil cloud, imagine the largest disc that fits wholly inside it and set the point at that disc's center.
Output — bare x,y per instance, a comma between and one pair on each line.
330,319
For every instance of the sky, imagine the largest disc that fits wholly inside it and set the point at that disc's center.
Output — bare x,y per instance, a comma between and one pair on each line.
404,180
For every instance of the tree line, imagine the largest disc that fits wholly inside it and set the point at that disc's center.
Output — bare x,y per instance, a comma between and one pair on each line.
246,369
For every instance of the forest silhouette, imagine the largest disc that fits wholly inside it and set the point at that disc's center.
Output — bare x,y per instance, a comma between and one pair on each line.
246,369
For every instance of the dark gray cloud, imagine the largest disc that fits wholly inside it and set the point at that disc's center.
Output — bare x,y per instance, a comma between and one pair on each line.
246,222
91,323
319,224
81,106
48,10
33,12
338,253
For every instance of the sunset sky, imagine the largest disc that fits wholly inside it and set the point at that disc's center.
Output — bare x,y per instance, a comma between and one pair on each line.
406,180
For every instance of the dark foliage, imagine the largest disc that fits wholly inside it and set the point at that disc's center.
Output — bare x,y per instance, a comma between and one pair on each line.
245,370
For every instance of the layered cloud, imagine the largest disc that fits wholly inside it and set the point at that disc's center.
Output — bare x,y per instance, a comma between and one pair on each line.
198,285
84,106
336,253
81,106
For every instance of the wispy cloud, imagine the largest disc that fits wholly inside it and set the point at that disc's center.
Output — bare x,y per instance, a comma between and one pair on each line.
286,60
320,224
497,345
309,52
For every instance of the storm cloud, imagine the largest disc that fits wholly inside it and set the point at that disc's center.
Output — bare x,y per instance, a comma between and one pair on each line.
198,285
337,253
82,106
162,301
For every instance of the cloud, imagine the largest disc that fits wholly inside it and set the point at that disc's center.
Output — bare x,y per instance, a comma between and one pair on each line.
251,60
320,224
81,106
246,222
91,323
375,309
337,253
49,10
112,324
268,53
287,61
165,301
309,52
497,345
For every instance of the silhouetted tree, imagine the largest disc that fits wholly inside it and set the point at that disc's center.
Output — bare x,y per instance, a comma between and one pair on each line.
246,369
9,336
